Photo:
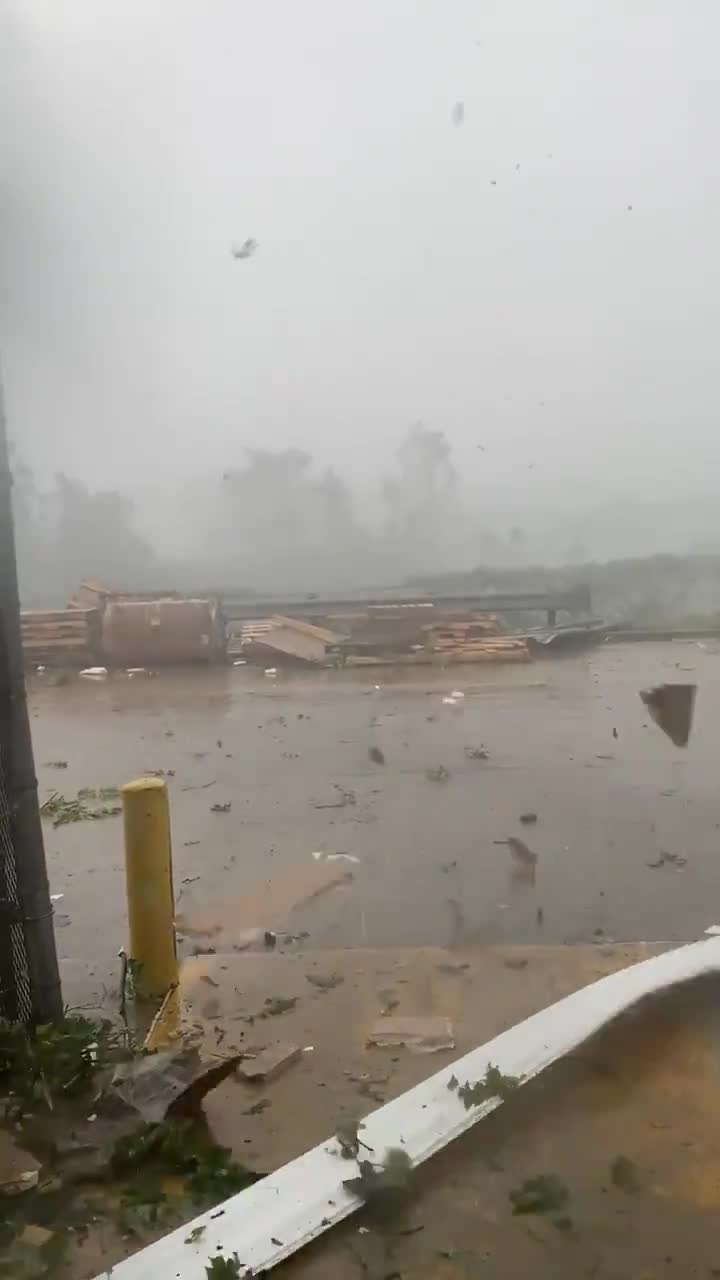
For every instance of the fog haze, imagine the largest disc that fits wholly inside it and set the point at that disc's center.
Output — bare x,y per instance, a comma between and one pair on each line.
536,274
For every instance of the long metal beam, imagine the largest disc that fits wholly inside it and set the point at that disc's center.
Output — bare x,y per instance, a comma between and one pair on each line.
575,601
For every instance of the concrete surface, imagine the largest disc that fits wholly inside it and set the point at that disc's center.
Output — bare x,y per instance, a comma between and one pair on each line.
430,871
647,1088
431,892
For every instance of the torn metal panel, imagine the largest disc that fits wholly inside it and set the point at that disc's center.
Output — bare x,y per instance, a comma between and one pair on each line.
308,1195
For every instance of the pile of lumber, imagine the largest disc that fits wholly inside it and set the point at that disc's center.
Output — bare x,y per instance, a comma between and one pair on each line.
476,641
287,640
60,637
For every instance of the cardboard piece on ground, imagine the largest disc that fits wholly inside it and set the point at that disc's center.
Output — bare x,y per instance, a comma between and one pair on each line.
171,1082
269,1062
420,1035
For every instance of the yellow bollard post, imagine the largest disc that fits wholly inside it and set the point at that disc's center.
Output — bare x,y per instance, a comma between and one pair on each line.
150,898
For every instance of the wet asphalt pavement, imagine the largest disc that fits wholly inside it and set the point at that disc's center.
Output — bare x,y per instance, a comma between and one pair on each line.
430,870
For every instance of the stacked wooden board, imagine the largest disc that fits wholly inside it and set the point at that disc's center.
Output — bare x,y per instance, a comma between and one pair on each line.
60,637
476,641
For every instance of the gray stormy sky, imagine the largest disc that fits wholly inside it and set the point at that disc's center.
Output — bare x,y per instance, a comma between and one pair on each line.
393,281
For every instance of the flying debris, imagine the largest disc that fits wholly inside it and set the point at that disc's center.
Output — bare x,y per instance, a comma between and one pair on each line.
629,208
671,707
458,114
245,250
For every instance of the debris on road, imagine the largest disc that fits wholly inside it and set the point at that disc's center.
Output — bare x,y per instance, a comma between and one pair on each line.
56,764
625,1174
545,1193
220,1268
94,673
268,1064
345,798
275,1005
516,962
320,856
347,1133
61,811
476,753
221,808
452,969
258,1107
376,755
429,1034
385,1189
493,1085
19,1171
671,707
98,793
528,818
524,858
171,1082
324,982
438,774
666,859
388,1000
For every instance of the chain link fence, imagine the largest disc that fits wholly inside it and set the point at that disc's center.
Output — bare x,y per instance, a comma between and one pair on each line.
15,989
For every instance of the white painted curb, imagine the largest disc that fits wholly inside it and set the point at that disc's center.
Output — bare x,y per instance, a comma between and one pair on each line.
305,1197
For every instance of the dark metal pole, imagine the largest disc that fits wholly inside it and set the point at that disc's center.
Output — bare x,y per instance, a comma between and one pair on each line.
18,768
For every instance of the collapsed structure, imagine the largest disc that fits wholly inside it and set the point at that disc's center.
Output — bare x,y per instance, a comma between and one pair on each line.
132,629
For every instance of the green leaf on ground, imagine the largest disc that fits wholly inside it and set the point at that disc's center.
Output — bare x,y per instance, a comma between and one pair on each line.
545,1193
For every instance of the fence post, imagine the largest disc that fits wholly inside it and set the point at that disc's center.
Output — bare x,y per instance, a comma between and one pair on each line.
30,980
150,898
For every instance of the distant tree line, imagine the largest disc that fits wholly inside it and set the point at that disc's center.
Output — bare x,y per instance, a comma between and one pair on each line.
278,524
274,524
